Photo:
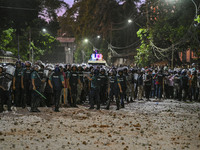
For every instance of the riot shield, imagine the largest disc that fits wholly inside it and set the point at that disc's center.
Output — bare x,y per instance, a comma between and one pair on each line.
8,77
46,75
10,70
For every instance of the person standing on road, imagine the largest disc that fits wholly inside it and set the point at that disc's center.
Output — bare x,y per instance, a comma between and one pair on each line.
17,84
103,86
56,82
26,83
148,84
121,79
113,89
73,80
36,89
95,89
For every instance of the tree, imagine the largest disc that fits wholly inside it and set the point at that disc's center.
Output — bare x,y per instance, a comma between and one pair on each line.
108,18
27,19
172,28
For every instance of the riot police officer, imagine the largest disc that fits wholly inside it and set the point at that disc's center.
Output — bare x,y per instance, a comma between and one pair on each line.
26,84
113,89
73,80
17,84
81,93
36,89
103,86
56,82
121,79
95,89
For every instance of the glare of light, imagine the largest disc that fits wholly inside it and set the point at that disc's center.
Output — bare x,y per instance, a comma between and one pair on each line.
86,40
44,30
98,36
130,21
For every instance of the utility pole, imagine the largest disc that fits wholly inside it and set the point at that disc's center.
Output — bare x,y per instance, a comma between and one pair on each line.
172,60
18,46
30,44
147,12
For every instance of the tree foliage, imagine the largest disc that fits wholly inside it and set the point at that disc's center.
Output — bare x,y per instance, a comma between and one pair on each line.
26,20
172,26
108,18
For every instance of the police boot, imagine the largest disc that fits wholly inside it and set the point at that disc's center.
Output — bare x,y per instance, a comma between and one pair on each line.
122,105
56,109
117,106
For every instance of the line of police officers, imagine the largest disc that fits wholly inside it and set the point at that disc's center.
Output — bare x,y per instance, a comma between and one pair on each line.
48,85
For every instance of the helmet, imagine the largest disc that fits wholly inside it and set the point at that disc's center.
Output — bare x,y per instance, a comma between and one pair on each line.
36,67
96,71
74,66
18,63
28,64
120,71
57,69
102,70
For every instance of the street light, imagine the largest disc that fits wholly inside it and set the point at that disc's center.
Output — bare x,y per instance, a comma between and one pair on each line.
44,30
86,40
130,21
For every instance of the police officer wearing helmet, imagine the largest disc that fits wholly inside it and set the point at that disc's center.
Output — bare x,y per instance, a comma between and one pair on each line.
95,89
56,82
36,89
81,93
73,80
103,86
121,79
113,89
26,84
17,84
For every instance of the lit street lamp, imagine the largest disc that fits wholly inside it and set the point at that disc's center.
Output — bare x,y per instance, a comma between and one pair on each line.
130,21
44,30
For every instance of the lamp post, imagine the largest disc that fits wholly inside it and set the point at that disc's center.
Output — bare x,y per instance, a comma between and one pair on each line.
88,41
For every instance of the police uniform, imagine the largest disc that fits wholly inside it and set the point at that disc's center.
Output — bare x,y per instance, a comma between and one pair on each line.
121,79
18,89
35,95
103,87
26,75
73,81
114,91
81,93
95,91
56,79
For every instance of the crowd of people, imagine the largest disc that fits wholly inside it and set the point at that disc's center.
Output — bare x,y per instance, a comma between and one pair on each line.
41,85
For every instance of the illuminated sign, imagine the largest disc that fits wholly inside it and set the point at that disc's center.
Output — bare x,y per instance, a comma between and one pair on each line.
96,57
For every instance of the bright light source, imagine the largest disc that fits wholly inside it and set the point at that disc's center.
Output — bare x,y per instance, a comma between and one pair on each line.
86,40
44,30
130,21
98,36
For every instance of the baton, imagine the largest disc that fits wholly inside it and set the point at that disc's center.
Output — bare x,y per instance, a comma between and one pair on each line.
40,94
